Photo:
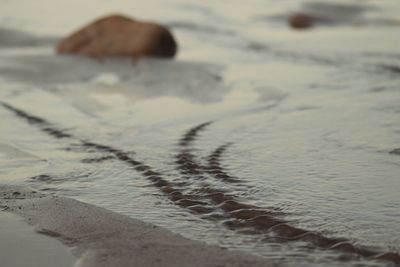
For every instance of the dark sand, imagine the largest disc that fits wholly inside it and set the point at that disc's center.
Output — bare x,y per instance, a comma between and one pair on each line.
99,237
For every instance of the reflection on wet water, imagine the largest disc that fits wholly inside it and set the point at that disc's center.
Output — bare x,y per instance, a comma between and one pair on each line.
283,146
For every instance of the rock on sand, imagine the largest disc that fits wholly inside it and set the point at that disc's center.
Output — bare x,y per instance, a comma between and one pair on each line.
117,35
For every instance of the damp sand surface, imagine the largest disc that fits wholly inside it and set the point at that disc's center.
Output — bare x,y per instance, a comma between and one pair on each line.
259,138
99,237
21,245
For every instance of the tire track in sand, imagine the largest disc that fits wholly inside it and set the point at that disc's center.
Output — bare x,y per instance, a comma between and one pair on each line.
253,219
207,201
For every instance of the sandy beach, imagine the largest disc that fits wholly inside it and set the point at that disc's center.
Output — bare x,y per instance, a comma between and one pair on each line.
199,133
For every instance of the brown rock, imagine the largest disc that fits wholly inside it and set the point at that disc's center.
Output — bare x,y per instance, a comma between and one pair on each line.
301,21
118,35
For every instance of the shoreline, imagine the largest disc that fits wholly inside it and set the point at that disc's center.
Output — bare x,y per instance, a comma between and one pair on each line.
100,237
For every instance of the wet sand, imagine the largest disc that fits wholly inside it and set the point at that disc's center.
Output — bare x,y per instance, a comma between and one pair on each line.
21,246
99,237
299,164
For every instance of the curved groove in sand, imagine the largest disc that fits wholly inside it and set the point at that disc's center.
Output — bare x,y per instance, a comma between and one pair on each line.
256,220
235,215
215,167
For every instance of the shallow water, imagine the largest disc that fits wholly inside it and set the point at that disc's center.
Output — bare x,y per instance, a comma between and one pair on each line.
22,246
297,125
